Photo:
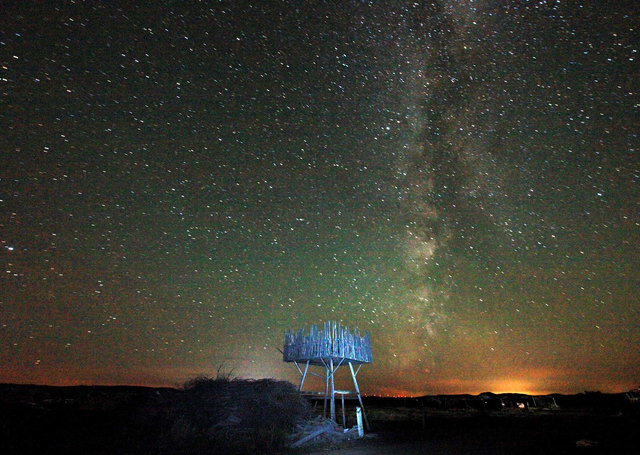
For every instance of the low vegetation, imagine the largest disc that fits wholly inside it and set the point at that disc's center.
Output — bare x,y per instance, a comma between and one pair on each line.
226,415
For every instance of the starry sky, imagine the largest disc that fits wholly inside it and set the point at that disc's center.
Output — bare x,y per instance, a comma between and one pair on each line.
183,181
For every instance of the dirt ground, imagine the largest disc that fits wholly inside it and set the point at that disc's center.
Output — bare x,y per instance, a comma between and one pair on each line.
125,420
499,433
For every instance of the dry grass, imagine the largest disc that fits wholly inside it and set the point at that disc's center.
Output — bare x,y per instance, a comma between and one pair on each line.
234,416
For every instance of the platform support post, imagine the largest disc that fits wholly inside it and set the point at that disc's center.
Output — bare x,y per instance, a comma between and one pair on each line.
333,391
355,384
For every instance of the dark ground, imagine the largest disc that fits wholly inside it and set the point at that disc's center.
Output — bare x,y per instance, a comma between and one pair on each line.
557,433
135,420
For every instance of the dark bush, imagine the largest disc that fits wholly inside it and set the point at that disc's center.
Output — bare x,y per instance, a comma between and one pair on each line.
234,416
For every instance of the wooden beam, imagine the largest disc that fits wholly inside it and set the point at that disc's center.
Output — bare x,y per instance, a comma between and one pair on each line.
355,384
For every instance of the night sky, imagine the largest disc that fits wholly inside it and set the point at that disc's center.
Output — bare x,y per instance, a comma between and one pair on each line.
182,181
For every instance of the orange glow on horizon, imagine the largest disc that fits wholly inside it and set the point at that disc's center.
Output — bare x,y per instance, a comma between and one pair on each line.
516,386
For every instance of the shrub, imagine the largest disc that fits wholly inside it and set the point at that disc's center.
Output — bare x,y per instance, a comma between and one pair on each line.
234,415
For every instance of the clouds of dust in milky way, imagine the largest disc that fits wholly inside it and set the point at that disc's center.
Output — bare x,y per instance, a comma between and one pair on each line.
444,166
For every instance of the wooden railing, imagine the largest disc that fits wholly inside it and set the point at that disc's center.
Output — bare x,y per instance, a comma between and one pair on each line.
333,341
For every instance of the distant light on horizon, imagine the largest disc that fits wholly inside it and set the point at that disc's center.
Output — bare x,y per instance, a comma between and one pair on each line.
515,386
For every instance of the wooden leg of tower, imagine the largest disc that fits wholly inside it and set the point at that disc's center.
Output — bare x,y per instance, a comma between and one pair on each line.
326,390
333,392
355,384
303,375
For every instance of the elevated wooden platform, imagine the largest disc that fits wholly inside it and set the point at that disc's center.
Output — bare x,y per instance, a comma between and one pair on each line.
332,342
329,348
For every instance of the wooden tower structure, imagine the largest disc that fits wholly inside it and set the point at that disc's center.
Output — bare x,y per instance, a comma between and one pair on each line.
329,348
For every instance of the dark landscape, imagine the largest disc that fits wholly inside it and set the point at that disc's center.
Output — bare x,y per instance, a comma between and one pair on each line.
260,416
